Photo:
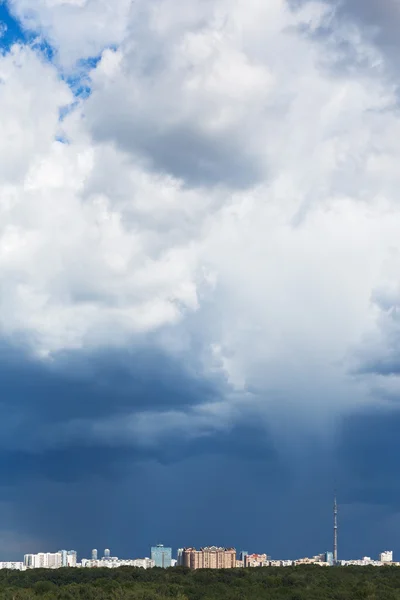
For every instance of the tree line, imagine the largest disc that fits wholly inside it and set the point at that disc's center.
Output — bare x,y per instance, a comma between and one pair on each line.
178,583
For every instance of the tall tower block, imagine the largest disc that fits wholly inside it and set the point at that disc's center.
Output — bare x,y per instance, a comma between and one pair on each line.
335,531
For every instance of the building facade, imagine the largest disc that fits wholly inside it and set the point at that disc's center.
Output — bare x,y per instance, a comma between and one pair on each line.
71,558
162,556
50,560
143,563
255,560
329,558
210,557
386,556
13,566
179,557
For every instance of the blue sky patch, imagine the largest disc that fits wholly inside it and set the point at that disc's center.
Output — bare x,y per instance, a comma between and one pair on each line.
10,30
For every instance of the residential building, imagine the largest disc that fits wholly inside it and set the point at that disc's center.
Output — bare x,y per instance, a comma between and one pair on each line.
329,558
365,561
210,557
386,556
64,558
179,556
162,556
255,560
50,560
13,566
239,564
143,563
280,563
319,559
71,558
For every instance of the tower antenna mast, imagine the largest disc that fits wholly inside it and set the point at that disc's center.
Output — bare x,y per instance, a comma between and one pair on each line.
335,531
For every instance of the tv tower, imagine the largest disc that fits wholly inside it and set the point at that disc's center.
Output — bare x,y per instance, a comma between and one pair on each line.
335,531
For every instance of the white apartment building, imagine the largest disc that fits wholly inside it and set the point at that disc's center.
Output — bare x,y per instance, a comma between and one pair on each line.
363,562
71,558
386,556
50,560
13,566
142,563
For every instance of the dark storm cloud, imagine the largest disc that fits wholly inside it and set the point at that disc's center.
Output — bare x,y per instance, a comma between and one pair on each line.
231,487
88,494
366,464
228,495
99,384
368,448
37,399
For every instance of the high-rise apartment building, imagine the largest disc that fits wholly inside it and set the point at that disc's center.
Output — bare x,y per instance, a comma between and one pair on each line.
161,555
71,558
386,557
242,555
94,554
179,557
50,560
210,557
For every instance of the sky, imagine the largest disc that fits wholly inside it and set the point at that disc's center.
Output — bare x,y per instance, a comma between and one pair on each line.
199,275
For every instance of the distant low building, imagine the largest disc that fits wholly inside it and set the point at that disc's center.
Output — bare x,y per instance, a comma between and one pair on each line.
318,559
142,563
363,562
239,564
13,566
255,560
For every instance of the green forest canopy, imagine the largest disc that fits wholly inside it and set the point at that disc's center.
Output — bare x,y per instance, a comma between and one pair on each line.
267,583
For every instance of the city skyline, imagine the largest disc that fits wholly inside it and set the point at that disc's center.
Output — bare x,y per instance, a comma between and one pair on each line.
205,557
208,557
